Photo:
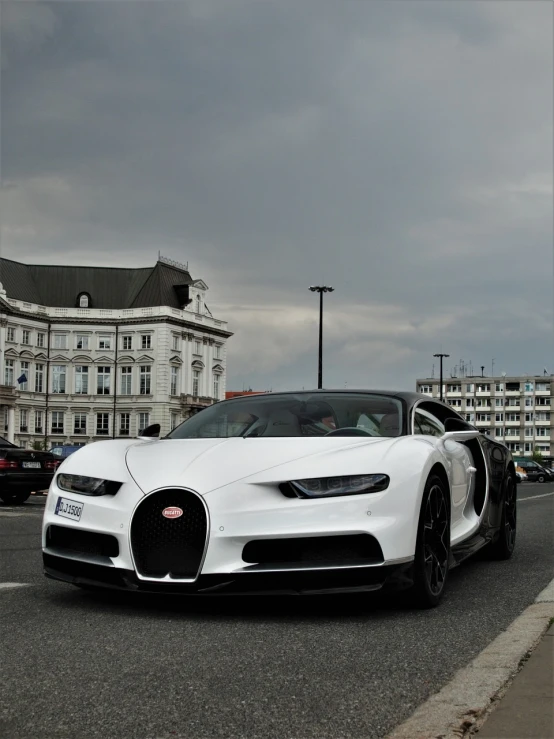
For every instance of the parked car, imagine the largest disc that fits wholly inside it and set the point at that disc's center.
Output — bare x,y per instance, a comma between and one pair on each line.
304,492
64,450
23,471
521,475
534,471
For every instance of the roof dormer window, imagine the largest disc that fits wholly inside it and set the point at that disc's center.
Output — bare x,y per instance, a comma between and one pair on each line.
83,300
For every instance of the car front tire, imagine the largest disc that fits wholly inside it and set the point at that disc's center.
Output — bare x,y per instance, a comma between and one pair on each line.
432,547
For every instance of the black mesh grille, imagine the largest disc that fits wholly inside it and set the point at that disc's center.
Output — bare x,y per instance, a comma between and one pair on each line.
82,542
316,550
169,546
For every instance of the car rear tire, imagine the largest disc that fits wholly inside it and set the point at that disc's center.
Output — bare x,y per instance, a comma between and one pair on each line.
541,478
503,546
14,498
432,553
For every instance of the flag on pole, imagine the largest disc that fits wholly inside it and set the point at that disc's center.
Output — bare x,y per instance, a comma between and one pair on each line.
22,379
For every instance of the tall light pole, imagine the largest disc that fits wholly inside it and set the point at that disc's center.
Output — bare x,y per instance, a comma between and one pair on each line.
321,289
441,356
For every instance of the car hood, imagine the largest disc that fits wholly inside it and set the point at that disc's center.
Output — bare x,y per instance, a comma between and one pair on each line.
207,464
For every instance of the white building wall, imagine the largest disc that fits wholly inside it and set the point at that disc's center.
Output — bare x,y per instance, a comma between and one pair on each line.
161,325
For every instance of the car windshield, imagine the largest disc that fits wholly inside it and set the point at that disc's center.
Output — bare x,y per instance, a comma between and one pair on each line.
295,414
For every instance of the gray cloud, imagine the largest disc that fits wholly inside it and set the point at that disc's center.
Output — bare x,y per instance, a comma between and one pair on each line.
399,151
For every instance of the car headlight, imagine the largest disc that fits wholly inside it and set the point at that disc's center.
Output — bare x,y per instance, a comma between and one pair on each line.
87,485
324,487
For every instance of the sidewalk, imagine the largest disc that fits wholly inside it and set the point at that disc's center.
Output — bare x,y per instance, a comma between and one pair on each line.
526,711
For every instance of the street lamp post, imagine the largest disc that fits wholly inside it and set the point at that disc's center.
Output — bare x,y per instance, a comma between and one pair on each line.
441,356
321,289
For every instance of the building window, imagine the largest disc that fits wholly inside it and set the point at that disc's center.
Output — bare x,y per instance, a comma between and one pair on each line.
127,343
529,387
542,416
499,402
499,387
470,388
57,422
103,381
38,422
195,382
8,371
102,424
39,378
105,341
483,402
24,385
543,432
542,401
498,432
499,417
513,446
80,423
10,334
82,341
470,417
126,380
483,388
23,421
144,421
40,340
543,448
197,347
81,380
527,446
528,417
512,416
529,432
455,402
124,424
454,388
513,387
175,342
217,383
146,341
542,386
470,402
58,378
173,388
59,341
217,355
84,300
483,417
198,304
529,402
145,379
26,337
173,420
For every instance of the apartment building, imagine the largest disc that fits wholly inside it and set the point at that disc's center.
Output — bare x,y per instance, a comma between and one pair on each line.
89,353
515,410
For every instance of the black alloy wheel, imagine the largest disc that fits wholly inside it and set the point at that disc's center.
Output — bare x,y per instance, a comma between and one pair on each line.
503,547
433,546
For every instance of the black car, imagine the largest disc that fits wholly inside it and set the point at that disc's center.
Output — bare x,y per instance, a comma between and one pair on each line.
534,471
23,471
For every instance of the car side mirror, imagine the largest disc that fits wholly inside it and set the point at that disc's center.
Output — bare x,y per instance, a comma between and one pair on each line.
460,435
151,432
457,424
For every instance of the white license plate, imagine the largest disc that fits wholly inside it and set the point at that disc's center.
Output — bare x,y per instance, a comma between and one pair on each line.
34,465
69,508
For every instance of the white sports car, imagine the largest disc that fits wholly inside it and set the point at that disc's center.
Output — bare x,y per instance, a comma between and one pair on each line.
305,492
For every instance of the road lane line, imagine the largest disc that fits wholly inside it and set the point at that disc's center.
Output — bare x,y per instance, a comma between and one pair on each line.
463,704
534,497
6,585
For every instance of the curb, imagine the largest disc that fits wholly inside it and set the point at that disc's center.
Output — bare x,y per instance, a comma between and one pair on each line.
461,707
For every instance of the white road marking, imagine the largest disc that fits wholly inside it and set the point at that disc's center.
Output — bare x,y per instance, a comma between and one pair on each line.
6,585
466,701
534,497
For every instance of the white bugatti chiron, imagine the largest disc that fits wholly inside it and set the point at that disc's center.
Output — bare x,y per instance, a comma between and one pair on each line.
304,492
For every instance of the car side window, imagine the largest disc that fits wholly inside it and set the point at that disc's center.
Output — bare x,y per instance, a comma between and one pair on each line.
425,423
57,450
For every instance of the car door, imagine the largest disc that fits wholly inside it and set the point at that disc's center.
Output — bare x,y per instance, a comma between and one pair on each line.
462,469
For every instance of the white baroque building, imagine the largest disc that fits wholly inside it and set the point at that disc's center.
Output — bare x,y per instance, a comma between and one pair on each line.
515,410
90,353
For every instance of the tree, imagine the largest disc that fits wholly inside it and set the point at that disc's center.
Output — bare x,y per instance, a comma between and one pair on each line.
40,445
536,456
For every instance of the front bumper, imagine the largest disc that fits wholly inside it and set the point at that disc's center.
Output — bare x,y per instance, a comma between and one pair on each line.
396,576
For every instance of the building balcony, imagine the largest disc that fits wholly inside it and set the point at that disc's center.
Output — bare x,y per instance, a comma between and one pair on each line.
542,407
542,422
541,439
542,393
483,394
512,424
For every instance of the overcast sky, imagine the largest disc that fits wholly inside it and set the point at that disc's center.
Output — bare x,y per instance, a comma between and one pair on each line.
401,152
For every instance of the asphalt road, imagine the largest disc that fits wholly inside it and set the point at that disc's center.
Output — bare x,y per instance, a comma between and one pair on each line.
77,666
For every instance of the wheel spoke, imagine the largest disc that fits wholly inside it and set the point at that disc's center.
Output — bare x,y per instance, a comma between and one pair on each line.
436,539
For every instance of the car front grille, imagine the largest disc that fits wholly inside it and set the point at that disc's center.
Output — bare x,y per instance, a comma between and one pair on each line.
171,547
